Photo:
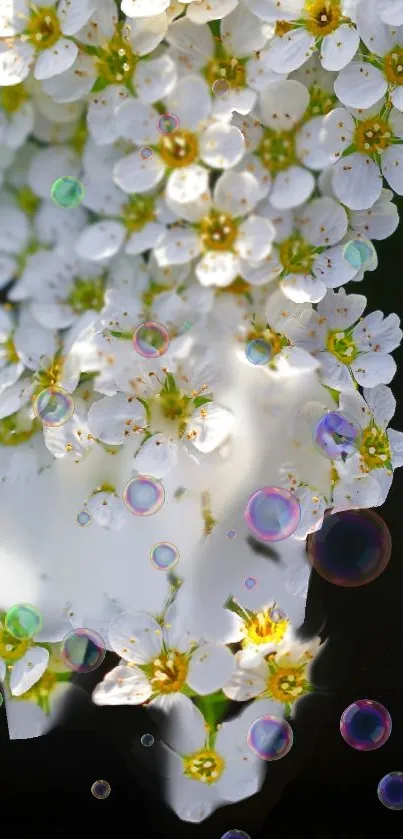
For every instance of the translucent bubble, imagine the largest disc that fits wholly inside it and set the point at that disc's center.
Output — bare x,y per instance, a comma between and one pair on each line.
151,339
54,407
146,153
164,556
258,351
167,124
67,192
22,621
365,725
144,495
84,518
270,738
250,582
100,789
83,650
390,791
352,548
147,740
358,253
231,534
272,514
220,86
277,615
337,436
235,834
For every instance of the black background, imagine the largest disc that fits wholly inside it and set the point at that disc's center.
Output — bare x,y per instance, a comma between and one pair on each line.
321,789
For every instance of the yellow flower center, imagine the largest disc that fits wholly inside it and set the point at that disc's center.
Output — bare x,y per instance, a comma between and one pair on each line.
42,688
342,346
322,16
296,255
116,60
226,69
287,684
275,340
393,65
179,149
26,199
277,150
11,353
218,232
43,28
282,28
86,295
262,629
168,672
50,376
205,766
12,649
321,102
375,449
11,98
17,428
373,135
138,211
239,288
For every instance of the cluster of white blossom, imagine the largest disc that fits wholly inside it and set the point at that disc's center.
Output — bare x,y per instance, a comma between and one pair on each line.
238,160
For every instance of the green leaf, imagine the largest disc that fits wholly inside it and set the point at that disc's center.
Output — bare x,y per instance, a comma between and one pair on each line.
213,707
100,84
201,400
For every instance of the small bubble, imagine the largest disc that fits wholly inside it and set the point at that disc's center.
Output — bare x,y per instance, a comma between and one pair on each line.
164,556
146,153
54,407
100,789
220,86
390,791
82,650
231,534
84,518
258,351
250,582
272,514
67,192
167,124
151,339
147,740
22,621
270,738
365,725
144,495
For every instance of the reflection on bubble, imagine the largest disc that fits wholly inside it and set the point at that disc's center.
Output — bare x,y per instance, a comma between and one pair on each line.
235,834
67,192
258,351
22,621
231,534
100,789
270,738
83,650
167,124
390,791
272,514
357,253
54,407
337,436
84,518
164,556
365,725
220,86
151,339
250,582
144,495
352,547
147,740
146,153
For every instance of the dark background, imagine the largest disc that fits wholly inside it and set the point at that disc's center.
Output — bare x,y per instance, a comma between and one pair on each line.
321,789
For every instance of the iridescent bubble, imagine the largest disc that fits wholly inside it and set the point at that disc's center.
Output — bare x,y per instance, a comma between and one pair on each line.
231,534
84,518
167,124
83,650
146,153
164,556
67,192
258,351
357,253
147,740
352,548
250,582
365,725
22,621
272,514
144,495
390,791
270,738
54,407
337,436
277,615
151,339
235,834
100,789
219,87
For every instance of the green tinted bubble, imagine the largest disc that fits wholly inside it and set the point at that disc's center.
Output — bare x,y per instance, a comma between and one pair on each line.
67,192
22,621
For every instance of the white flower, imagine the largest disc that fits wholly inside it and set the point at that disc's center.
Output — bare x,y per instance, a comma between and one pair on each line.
39,37
391,12
364,147
198,11
221,228
196,138
107,509
281,676
160,660
16,116
304,26
350,348
206,770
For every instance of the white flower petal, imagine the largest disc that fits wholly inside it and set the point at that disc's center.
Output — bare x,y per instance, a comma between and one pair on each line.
244,685
137,122
134,174
392,168
357,181
222,146
236,193
396,443
156,457
135,637
183,728
341,309
15,62
28,670
156,78
212,425
122,686
323,222
101,240
112,416
339,47
292,187
56,59
190,101
188,185
371,369
360,85
255,236
177,247
290,51
210,667
382,403
283,103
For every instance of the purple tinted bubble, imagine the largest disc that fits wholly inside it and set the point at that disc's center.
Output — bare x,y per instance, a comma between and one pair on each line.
337,436
101,789
390,791
231,534
167,124
365,725
164,556
352,548
272,514
144,495
83,650
235,834
250,582
146,153
270,738
151,339
277,615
